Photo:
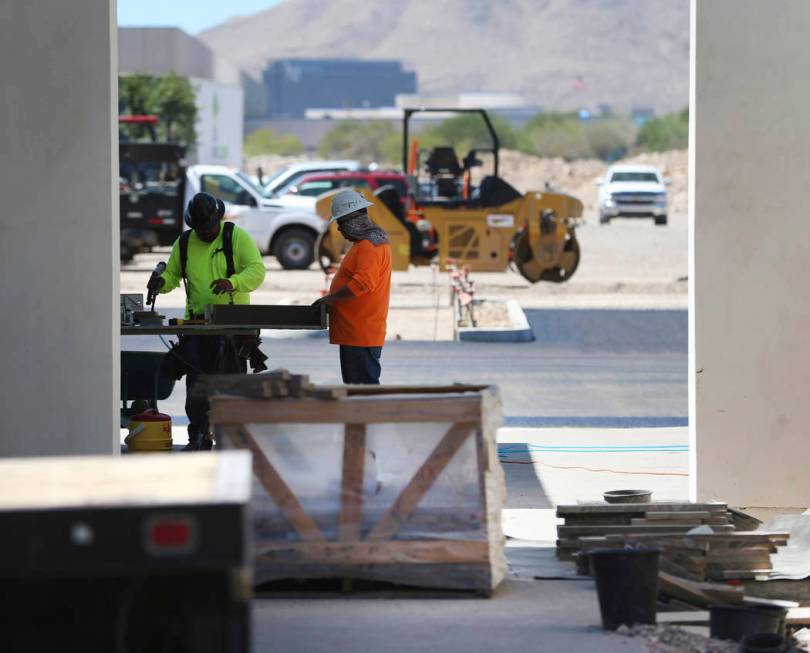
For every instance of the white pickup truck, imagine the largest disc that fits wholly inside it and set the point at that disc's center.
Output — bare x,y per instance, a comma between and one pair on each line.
284,226
633,191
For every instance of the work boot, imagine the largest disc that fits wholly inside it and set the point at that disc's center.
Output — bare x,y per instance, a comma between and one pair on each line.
200,444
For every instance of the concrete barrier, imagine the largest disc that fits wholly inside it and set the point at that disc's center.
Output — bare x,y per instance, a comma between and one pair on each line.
519,331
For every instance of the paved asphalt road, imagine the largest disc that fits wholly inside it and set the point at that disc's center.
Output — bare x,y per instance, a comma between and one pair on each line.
585,368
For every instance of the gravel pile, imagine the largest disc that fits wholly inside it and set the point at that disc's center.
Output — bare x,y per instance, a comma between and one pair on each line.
578,178
671,639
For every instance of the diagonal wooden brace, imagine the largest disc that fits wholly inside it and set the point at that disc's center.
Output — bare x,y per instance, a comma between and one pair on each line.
278,490
422,481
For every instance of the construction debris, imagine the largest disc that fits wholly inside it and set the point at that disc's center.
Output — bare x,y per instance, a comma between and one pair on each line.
671,639
698,542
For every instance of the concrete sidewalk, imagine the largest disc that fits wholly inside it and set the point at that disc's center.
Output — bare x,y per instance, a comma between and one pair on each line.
543,606
537,616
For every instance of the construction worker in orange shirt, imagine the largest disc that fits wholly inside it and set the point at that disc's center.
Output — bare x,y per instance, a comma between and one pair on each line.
359,294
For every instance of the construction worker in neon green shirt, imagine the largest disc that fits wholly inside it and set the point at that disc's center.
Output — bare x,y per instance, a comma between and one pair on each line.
219,263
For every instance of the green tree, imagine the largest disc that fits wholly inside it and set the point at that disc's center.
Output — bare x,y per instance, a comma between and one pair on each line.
369,141
668,132
610,138
169,97
466,132
269,141
555,134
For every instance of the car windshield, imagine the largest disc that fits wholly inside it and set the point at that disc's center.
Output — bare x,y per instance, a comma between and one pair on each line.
247,181
269,180
634,176
402,188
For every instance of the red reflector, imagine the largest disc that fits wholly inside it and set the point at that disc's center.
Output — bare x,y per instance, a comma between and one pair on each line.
155,221
170,535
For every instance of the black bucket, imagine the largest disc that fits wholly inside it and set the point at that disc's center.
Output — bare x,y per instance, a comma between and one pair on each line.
627,584
737,621
763,643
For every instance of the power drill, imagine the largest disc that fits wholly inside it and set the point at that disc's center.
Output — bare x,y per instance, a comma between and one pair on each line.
153,290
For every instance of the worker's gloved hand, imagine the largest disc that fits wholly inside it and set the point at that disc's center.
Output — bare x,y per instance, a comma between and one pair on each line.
155,283
221,286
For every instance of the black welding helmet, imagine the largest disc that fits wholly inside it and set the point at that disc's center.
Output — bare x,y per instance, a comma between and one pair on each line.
204,211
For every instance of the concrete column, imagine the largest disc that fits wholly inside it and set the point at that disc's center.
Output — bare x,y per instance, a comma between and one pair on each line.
59,266
751,148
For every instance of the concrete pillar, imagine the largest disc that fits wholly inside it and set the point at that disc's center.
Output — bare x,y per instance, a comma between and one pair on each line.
59,266
751,148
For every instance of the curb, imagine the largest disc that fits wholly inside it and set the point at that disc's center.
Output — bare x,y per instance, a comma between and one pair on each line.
520,331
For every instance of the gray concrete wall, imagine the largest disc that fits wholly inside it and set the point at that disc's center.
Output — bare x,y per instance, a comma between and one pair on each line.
165,50
162,51
58,228
752,251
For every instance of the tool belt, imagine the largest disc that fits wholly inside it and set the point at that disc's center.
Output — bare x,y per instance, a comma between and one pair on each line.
176,365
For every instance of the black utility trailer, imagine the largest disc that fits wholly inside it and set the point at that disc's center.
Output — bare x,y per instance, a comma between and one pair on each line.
152,186
148,552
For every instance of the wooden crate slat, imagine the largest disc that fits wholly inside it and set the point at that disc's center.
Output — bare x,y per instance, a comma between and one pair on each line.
351,492
271,480
234,411
422,481
368,390
386,552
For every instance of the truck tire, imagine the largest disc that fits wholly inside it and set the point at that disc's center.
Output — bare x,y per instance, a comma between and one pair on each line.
127,253
295,249
661,220
604,219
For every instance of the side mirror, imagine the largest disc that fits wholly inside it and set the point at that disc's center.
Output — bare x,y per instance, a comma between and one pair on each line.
667,181
293,190
600,181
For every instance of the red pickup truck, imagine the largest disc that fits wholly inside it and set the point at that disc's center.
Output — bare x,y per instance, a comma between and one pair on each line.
320,182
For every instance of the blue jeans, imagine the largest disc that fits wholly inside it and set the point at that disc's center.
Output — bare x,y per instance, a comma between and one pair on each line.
360,364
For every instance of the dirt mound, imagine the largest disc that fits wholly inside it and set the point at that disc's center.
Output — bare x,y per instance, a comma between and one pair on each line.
578,178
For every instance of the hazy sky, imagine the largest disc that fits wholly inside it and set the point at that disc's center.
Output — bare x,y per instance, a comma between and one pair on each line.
190,15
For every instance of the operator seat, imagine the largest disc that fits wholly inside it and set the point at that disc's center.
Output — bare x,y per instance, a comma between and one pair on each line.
444,170
495,191
389,196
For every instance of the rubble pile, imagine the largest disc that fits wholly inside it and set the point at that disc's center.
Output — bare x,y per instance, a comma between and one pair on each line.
672,639
578,178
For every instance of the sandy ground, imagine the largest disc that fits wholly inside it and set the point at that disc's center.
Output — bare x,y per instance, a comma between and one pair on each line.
627,264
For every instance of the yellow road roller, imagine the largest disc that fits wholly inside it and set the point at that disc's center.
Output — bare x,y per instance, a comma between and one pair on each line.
486,226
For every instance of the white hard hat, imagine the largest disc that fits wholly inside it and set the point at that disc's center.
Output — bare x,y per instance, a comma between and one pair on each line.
347,201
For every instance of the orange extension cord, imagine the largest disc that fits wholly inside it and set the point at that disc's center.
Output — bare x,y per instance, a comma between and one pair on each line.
591,469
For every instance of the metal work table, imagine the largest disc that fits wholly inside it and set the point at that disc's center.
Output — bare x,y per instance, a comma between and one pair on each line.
226,321
195,329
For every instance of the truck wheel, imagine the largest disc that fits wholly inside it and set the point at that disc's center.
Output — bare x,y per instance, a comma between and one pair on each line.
660,220
127,253
603,219
295,249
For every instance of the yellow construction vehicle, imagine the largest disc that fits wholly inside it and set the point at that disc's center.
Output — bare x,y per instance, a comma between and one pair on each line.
485,226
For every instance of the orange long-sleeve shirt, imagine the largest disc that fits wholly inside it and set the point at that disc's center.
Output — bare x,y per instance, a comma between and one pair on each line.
360,321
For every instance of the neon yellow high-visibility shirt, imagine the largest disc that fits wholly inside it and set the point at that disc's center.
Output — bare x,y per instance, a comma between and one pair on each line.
206,263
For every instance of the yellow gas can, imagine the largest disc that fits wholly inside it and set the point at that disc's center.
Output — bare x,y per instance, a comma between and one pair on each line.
149,431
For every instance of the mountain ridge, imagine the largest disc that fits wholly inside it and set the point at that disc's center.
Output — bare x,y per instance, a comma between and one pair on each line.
556,53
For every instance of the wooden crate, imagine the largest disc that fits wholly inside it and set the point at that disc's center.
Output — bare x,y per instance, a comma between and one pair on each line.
402,485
